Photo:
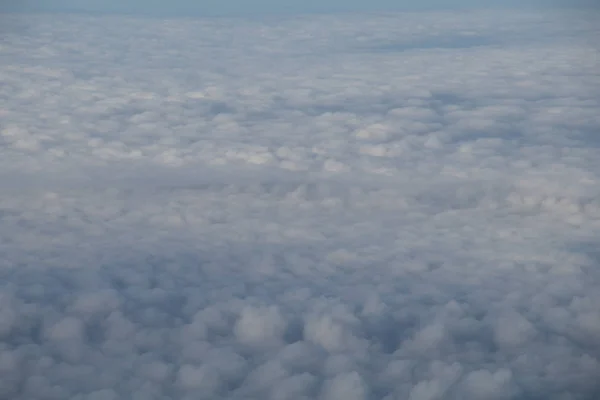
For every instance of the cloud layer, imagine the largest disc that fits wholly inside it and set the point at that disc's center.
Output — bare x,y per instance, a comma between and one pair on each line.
335,208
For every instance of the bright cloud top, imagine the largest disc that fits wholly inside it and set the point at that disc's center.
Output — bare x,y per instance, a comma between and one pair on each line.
336,208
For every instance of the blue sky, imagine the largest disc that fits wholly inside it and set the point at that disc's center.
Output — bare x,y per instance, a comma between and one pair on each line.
228,7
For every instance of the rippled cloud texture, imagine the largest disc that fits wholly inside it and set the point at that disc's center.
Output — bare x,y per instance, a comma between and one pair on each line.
327,207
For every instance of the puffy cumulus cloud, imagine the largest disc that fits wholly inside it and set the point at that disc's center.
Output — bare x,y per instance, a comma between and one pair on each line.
322,207
486,385
258,327
345,386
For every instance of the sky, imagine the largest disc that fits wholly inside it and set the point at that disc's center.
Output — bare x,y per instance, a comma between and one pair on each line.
315,207
261,7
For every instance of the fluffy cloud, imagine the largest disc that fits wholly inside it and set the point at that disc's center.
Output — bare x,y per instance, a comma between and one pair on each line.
323,207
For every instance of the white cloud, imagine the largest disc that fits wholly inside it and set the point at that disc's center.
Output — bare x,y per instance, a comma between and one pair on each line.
483,384
321,207
260,326
348,385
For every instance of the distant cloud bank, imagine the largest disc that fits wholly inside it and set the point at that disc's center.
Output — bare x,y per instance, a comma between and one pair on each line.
271,7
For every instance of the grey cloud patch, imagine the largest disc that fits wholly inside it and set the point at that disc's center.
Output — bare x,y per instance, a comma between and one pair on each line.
457,42
297,320
184,218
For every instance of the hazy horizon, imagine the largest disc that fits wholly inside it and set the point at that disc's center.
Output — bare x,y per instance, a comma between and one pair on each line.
270,7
